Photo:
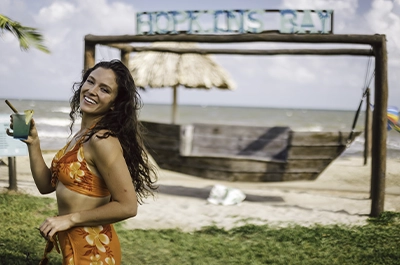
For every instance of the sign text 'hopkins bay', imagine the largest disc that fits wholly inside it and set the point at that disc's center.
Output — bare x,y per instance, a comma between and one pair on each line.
234,21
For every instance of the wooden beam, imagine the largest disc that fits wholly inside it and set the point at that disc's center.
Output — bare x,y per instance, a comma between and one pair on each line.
354,52
225,38
89,55
125,57
379,134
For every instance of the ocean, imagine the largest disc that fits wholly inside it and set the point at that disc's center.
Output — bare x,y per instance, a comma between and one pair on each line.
52,120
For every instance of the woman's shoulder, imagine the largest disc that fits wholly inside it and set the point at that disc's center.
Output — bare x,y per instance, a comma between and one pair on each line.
101,146
103,141
104,137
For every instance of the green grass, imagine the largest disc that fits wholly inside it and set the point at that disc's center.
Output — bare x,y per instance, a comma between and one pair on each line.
378,242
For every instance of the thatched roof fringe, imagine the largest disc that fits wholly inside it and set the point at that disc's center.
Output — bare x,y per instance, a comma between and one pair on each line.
164,69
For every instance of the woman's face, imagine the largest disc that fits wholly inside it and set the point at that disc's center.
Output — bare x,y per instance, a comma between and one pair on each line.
98,92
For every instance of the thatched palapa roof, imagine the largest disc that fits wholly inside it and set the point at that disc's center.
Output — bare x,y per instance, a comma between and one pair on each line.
164,69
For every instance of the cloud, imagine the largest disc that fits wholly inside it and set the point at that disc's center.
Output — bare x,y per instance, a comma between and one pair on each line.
69,22
347,20
285,66
56,12
382,18
64,25
344,7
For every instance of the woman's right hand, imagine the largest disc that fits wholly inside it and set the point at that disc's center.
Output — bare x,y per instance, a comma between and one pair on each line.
33,136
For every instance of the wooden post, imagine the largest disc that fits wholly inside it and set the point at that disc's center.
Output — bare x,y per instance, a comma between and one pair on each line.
12,174
89,55
174,103
125,57
367,128
378,165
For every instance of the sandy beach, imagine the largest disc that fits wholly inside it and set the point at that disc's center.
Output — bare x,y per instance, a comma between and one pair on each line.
340,195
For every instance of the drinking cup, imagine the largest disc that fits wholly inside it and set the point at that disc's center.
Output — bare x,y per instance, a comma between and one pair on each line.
20,127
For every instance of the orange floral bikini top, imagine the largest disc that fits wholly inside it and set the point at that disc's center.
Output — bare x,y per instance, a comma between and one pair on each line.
71,169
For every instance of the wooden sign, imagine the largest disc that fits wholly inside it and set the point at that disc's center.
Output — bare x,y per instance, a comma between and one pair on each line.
8,145
235,21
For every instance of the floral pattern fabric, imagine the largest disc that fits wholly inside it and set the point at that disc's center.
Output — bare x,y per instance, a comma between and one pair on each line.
71,169
98,245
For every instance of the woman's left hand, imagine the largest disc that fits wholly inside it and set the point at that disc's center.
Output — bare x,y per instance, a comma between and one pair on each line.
52,225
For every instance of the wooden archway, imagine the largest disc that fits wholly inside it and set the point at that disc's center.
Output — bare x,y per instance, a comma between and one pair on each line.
379,51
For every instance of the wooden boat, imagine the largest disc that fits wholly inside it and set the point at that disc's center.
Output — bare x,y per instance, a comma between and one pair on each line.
243,153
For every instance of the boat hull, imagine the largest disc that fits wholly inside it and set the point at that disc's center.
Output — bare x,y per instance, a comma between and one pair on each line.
243,153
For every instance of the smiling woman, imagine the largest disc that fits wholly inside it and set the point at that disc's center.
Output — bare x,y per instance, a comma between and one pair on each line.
102,174
99,92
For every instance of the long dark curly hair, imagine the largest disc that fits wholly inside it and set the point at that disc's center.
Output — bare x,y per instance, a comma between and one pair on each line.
122,122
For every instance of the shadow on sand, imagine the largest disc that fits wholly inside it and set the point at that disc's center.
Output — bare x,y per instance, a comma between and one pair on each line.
203,193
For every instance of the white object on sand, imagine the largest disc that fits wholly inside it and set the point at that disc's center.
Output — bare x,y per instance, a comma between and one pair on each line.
222,195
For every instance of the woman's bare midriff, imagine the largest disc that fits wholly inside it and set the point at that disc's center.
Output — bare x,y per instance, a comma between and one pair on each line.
71,202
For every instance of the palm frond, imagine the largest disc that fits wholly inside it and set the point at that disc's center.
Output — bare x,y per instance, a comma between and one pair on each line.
27,36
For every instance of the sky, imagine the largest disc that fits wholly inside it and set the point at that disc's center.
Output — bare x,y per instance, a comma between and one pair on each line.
310,82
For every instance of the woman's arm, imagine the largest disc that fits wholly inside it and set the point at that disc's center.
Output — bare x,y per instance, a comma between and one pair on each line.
40,171
107,156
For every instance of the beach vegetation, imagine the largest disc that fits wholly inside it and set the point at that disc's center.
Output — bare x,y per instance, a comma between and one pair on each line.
27,36
377,242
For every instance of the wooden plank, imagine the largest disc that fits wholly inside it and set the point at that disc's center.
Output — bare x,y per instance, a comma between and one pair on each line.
269,52
226,38
320,138
299,176
214,173
240,140
267,135
315,151
236,131
256,147
233,165
266,153
245,176
312,164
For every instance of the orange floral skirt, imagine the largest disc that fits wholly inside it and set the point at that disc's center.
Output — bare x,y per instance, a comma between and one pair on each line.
90,245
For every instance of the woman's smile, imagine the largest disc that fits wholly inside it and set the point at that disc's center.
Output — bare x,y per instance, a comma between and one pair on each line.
89,100
99,92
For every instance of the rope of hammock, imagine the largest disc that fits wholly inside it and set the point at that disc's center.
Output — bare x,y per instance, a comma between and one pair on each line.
364,94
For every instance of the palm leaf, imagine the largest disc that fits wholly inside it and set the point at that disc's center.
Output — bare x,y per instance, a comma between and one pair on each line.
26,36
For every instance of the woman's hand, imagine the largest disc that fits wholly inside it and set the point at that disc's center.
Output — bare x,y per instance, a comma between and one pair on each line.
33,136
52,225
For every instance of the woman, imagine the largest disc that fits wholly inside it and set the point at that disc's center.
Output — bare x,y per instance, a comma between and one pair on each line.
103,172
